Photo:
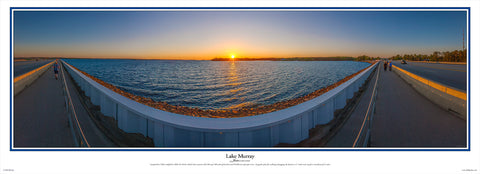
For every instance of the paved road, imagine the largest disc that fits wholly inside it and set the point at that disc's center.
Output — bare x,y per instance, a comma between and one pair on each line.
447,74
22,67
40,118
403,118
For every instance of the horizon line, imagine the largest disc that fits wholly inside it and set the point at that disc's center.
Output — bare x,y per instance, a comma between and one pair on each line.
55,57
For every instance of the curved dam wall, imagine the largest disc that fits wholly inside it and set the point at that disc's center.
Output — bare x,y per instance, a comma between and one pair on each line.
444,96
167,129
22,81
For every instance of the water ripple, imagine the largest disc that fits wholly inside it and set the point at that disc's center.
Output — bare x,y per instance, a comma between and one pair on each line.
218,85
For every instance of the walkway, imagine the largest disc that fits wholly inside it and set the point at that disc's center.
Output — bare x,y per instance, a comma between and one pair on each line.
403,118
345,137
40,117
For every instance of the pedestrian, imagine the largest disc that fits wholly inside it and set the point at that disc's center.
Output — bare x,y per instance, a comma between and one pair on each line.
55,70
390,66
385,65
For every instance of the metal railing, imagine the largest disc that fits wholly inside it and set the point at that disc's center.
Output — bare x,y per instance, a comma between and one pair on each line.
363,137
75,127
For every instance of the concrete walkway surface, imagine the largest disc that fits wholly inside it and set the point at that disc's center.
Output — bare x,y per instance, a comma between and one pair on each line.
40,117
345,137
403,118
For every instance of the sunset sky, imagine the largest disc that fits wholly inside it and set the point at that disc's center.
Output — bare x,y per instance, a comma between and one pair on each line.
209,34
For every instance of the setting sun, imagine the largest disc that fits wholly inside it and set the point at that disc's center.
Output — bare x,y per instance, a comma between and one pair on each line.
233,56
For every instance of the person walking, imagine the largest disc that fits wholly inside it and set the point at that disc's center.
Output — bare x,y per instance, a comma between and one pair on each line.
385,65
55,70
390,66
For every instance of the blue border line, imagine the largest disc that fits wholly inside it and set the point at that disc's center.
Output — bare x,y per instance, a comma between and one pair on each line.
11,98
469,140
217,150
259,8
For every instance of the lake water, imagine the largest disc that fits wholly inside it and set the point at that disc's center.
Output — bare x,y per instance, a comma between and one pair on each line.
218,85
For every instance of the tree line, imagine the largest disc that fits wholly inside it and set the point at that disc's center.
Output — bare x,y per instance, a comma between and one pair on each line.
447,56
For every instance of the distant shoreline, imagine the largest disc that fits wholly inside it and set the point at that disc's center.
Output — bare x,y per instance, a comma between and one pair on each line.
20,59
214,59
289,59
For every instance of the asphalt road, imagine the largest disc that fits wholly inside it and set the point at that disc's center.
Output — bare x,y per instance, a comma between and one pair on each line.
447,74
22,67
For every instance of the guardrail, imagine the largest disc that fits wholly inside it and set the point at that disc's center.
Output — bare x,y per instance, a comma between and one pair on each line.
22,81
363,136
290,125
75,127
447,97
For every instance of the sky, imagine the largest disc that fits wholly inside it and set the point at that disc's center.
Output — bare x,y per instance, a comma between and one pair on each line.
210,34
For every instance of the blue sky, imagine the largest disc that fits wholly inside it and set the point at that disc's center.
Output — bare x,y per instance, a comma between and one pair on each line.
208,34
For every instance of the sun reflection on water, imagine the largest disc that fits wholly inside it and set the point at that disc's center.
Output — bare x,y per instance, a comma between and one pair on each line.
233,81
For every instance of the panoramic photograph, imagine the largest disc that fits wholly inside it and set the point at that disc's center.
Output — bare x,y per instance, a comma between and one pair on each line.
240,78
